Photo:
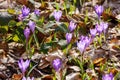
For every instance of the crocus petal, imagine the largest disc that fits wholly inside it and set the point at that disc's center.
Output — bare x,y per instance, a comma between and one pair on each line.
99,28
28,78
27,33
87,41
23,65
99,10
57,15
105,26
57,63
20,17
19,64
25,11
68,37
32,25
37,12
107,77
23,78
72,26
27,62
93,32
32,78
81,46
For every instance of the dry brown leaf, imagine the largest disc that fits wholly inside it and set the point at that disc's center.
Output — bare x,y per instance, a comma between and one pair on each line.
99,61
47,77
94,78
44,6
43,63
73,76
4,46
40,36
3,76
23,2
117,48
48,39
114,71
16,76
110,17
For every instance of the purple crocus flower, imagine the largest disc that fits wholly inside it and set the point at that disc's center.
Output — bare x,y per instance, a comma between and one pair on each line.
25,11
68,37
57,15
107,77
23,65
32,25
27,33
93,32
82,38
57,63
105,26
28,78
83,43
72,26
99,10
37,12
20,17
81,46
99,28
87,41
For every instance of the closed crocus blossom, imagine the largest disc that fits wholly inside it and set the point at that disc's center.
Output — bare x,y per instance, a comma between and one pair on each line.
99,10
105,26
25,11
23,65
82,38
32,25
83,43
28,78
68,37
37,12
87,41
27,33
107,77
57,15
93,32
81,46
57,63
72,26
99,28
20,17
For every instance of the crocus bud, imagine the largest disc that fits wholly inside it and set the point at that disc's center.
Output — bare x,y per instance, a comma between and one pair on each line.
23,65
57,63
32,25
82,38
27,33
81,46
87,41
57,15
72,26
28,78
20,17
105,26
99,28
99,10
68,37
93,32
25,11
37,12
107,77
